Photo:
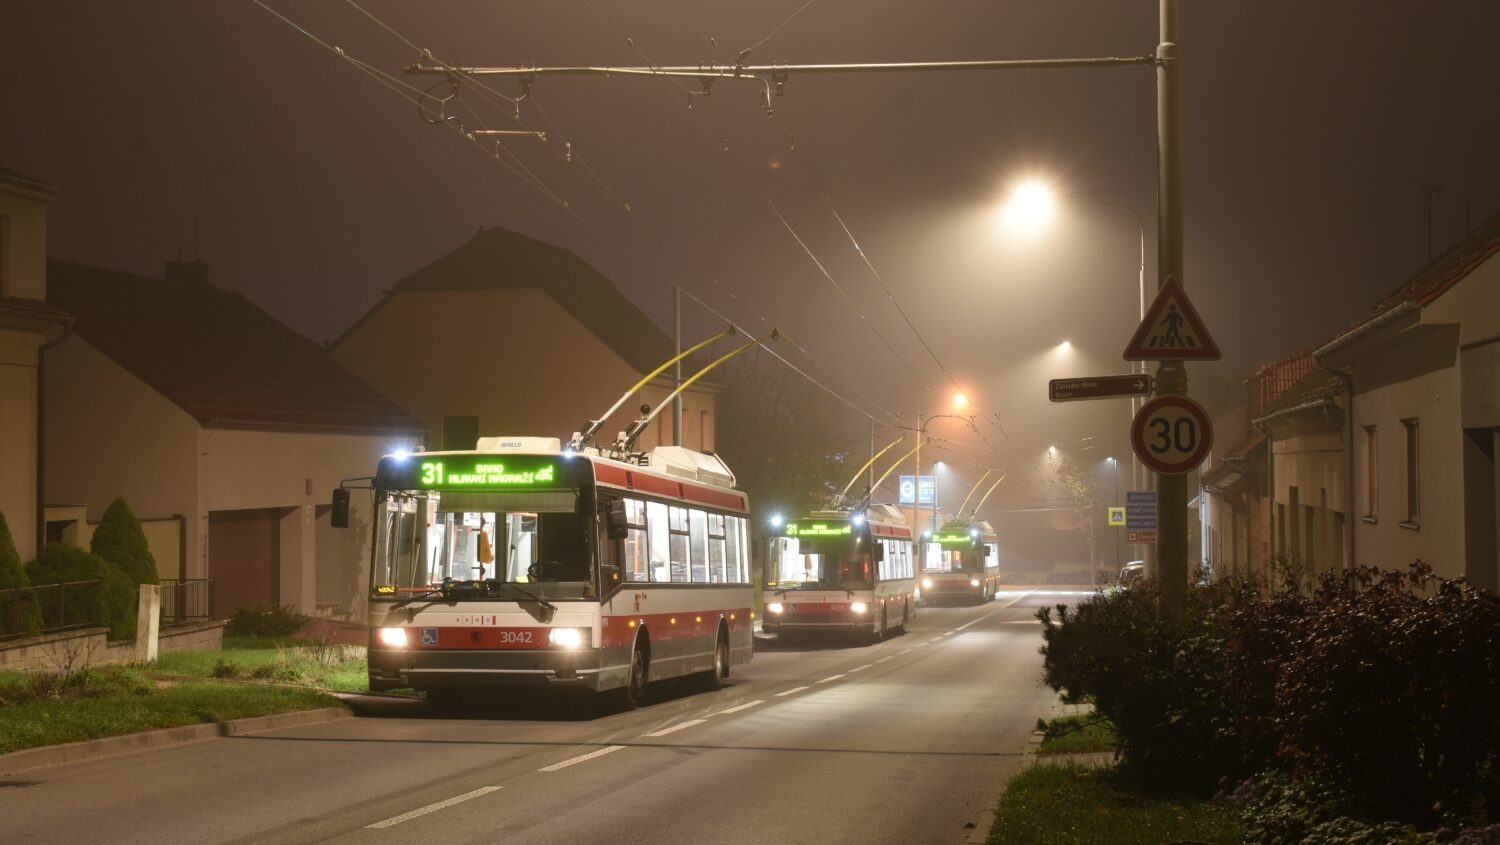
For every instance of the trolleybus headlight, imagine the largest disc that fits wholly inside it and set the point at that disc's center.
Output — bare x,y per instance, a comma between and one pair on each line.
775,607
567,637
859,607
393,637
926,583
973,582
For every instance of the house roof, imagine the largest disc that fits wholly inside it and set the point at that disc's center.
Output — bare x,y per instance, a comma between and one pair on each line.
8,175
1317,388
1439,274
500,259
217,356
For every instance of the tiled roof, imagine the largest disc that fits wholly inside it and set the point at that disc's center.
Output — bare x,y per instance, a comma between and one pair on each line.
502,259
1443,272
1316,388
19,178
217,356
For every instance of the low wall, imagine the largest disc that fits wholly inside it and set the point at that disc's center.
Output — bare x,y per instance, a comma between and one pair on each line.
72,650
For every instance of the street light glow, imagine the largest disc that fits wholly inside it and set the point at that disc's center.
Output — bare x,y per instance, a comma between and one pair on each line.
1030,206
960,400
1065,345
775,520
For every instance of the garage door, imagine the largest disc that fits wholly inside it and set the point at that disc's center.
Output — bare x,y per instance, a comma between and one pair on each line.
244,559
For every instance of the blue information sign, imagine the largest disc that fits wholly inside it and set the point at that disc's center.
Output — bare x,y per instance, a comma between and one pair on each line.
1140,510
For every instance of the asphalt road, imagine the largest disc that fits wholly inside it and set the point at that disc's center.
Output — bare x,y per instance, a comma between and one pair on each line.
905,741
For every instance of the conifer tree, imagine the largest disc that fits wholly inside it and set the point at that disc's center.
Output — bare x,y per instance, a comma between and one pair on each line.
120,540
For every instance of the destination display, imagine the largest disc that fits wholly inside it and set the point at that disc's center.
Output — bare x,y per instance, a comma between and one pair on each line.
955,539
470,472
813,529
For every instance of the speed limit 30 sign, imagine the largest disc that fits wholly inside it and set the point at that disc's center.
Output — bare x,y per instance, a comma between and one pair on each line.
1171,434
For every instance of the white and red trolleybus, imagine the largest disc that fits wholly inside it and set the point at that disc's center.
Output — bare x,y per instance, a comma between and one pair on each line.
841,571
522,564
963,562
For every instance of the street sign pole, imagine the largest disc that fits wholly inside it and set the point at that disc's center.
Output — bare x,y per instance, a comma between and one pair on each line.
1168,559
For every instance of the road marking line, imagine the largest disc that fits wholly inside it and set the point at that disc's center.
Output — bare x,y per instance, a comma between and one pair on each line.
746,706
790,691
860,668
970,622
888,657
902,651
580,758
919,645
934,639
830,678
951,633
432,808
677,727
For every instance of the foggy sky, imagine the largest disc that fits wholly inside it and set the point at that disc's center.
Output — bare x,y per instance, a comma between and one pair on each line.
216,128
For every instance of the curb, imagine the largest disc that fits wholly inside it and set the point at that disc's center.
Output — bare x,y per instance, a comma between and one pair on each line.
92,749
980,833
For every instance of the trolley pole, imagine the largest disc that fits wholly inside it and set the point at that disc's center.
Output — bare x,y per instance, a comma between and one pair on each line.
1171,377
677,367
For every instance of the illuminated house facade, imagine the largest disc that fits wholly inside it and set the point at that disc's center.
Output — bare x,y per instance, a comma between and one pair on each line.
27,326
195,405
507,335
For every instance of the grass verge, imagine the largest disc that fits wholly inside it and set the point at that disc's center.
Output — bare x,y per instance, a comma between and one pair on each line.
340,667
112,700
1049,804
1078,735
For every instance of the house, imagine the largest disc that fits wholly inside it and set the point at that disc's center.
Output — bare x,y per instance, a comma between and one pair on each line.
195,405
1421,379
28,326
1304,428
507,335
1237,482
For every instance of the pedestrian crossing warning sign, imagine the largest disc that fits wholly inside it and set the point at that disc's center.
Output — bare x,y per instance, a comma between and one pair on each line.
1172,330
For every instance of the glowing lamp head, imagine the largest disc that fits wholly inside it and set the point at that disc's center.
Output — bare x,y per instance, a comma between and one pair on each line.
859,607
973,582
775,607
926,583
567,638
960,400
974,533
401,454
775,520
393,637
1030,206
858,519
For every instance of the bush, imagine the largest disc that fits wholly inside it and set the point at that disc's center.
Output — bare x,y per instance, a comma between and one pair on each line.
18,614
111,604
266,622
120,540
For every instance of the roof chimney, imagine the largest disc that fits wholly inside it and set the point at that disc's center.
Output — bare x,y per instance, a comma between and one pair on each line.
186,272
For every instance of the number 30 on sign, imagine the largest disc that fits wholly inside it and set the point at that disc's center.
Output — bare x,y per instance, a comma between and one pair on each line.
1171,434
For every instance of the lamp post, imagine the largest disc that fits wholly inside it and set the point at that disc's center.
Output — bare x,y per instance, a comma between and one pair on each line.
959,401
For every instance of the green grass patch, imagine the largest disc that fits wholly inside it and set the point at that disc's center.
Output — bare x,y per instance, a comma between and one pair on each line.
37,710
340,667
1049,804
1078,735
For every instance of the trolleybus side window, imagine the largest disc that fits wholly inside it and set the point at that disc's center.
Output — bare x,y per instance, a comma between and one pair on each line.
637,559
677,528
716,573
659,540
698,535
738,552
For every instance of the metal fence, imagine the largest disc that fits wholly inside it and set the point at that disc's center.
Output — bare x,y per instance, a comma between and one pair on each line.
49,608
186,599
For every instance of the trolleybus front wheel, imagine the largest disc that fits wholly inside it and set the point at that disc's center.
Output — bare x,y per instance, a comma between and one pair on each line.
633,694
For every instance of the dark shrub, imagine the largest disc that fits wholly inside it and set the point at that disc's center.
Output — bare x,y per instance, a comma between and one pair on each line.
111,603
1159,681
268,622
18,613
120,540
1390,686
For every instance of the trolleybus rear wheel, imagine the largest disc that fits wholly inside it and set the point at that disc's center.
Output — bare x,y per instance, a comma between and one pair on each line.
714,678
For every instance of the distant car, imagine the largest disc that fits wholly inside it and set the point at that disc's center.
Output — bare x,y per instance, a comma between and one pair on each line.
1131,573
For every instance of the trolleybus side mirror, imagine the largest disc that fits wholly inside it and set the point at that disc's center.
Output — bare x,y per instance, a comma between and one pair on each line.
617,526
339,518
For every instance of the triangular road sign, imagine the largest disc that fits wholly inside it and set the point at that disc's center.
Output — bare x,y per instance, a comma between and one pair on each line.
1172,330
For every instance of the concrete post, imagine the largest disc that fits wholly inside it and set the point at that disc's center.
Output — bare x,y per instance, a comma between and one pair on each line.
147,623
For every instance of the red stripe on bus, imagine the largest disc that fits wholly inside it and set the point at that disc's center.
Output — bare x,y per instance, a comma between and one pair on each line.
635,480
618,630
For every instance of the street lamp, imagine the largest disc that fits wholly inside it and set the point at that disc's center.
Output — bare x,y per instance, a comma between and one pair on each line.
959,401
1031,205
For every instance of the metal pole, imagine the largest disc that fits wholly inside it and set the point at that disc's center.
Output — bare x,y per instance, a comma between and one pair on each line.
1171,379
677,368
916,507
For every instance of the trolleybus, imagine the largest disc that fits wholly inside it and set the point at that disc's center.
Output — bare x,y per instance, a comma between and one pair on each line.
841,571
963,562
524,564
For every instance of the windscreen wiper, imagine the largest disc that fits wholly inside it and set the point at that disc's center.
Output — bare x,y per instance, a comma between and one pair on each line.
525,592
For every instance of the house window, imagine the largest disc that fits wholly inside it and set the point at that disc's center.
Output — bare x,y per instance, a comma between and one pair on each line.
1372,486
1413,473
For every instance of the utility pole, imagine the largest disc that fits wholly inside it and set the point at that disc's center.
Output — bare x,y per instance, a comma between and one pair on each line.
677,367
1171,376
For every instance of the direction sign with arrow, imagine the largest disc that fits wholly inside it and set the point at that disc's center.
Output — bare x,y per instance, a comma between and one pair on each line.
1098,387
1172,330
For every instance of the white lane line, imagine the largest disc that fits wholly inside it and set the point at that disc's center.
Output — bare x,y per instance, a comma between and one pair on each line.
432,808
951,633
677,727
580,758
902,651
888,657
860,668
934,639
830,678
745,706
921,645
790,691
970,622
